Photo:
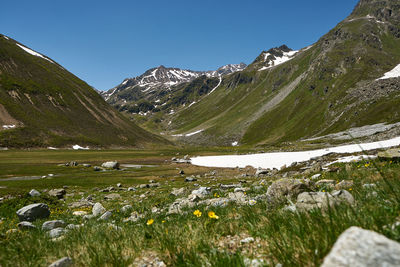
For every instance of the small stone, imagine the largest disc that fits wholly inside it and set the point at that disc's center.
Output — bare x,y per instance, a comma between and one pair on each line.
177,192
50,225
345,184
57,232
119,185
132,189
110,165
96,168
190,179
26,225
73,226
59,193
98,209
112,196
326,183
88,217
247,240
34,193
126,208
181,172
86,165
107,215
316,176
63,262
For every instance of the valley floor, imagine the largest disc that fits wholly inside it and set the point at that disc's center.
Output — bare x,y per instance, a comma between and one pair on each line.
158,212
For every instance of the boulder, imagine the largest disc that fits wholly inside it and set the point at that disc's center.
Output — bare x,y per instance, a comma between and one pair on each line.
283,188
64,262
322,200
33,212
202,192
26,225
56,232
344,184
390,155
357,247
107,215
112,196
98,209
178,192
34,193
50,225
59,193
110,165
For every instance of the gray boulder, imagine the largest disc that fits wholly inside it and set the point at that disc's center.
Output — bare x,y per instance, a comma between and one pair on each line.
26,225
283,188
110,165
56,232
98,209
178,192
34,193
64,262
107,215
357,247
126,208
322,200
59,193
50,225
33,212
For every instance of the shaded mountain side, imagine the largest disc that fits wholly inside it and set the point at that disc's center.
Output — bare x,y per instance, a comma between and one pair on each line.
42,104
318,90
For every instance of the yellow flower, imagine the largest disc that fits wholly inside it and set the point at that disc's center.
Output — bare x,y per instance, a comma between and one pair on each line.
150,222
197,213
163,221
212,215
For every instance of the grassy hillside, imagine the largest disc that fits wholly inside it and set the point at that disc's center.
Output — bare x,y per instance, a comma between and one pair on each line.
325,88
51,107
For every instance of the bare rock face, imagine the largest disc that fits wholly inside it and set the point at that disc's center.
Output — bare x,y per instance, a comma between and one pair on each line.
34,211
357,247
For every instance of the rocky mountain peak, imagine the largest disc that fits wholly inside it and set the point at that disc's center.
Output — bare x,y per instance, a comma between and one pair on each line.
382,10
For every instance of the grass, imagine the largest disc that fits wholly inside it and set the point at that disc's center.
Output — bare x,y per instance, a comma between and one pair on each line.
292,239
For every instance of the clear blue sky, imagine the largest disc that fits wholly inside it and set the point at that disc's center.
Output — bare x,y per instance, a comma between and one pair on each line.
103,42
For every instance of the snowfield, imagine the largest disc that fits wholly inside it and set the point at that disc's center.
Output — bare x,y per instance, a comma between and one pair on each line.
279,159
394,73
78,147
30,51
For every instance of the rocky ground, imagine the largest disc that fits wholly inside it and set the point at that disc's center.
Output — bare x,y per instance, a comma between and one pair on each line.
237,217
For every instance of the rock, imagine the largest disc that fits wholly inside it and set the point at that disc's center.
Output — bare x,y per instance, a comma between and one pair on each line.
181,172
316,176
358,247
131,189
202,192
345,184
110,165
98,209
316,167
96,168
321,200
326,183
72,164
154,185
33,212
238,197
73,226
247,240
262,172
369,186
283,188
88,217
56,232
134,217
86,165
177,192
254,263
50,225
119,185
190,179
107,215
215,202
228,186
64,262
59,193
390,155
80,204
112,196
34,193
26,225
126,208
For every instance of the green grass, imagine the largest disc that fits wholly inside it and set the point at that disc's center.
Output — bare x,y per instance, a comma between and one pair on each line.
292,239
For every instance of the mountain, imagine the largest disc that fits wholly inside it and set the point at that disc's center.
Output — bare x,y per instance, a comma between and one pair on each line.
42,104
285,95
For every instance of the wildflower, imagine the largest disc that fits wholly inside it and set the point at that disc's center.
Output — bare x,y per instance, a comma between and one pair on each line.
350,189
212,215
150,222
163,221
197,213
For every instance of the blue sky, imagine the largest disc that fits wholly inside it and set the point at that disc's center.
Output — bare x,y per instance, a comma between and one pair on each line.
103,42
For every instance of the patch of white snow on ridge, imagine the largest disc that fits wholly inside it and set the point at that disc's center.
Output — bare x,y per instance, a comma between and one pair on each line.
279,159
189,134
219,83
52,148
30,51
6,37
352,159
191,104
235,143
278,60
9,126
78,147
394,73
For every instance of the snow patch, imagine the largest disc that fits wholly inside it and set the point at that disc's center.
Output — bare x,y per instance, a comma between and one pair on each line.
352,159
78,147
191,104
394,73
235,143
220,81
52,148
279,159
6,127
278,60
30,51
6,37
189,134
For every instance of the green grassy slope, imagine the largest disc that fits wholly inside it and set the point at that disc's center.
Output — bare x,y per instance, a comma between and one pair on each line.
52,107
319,91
